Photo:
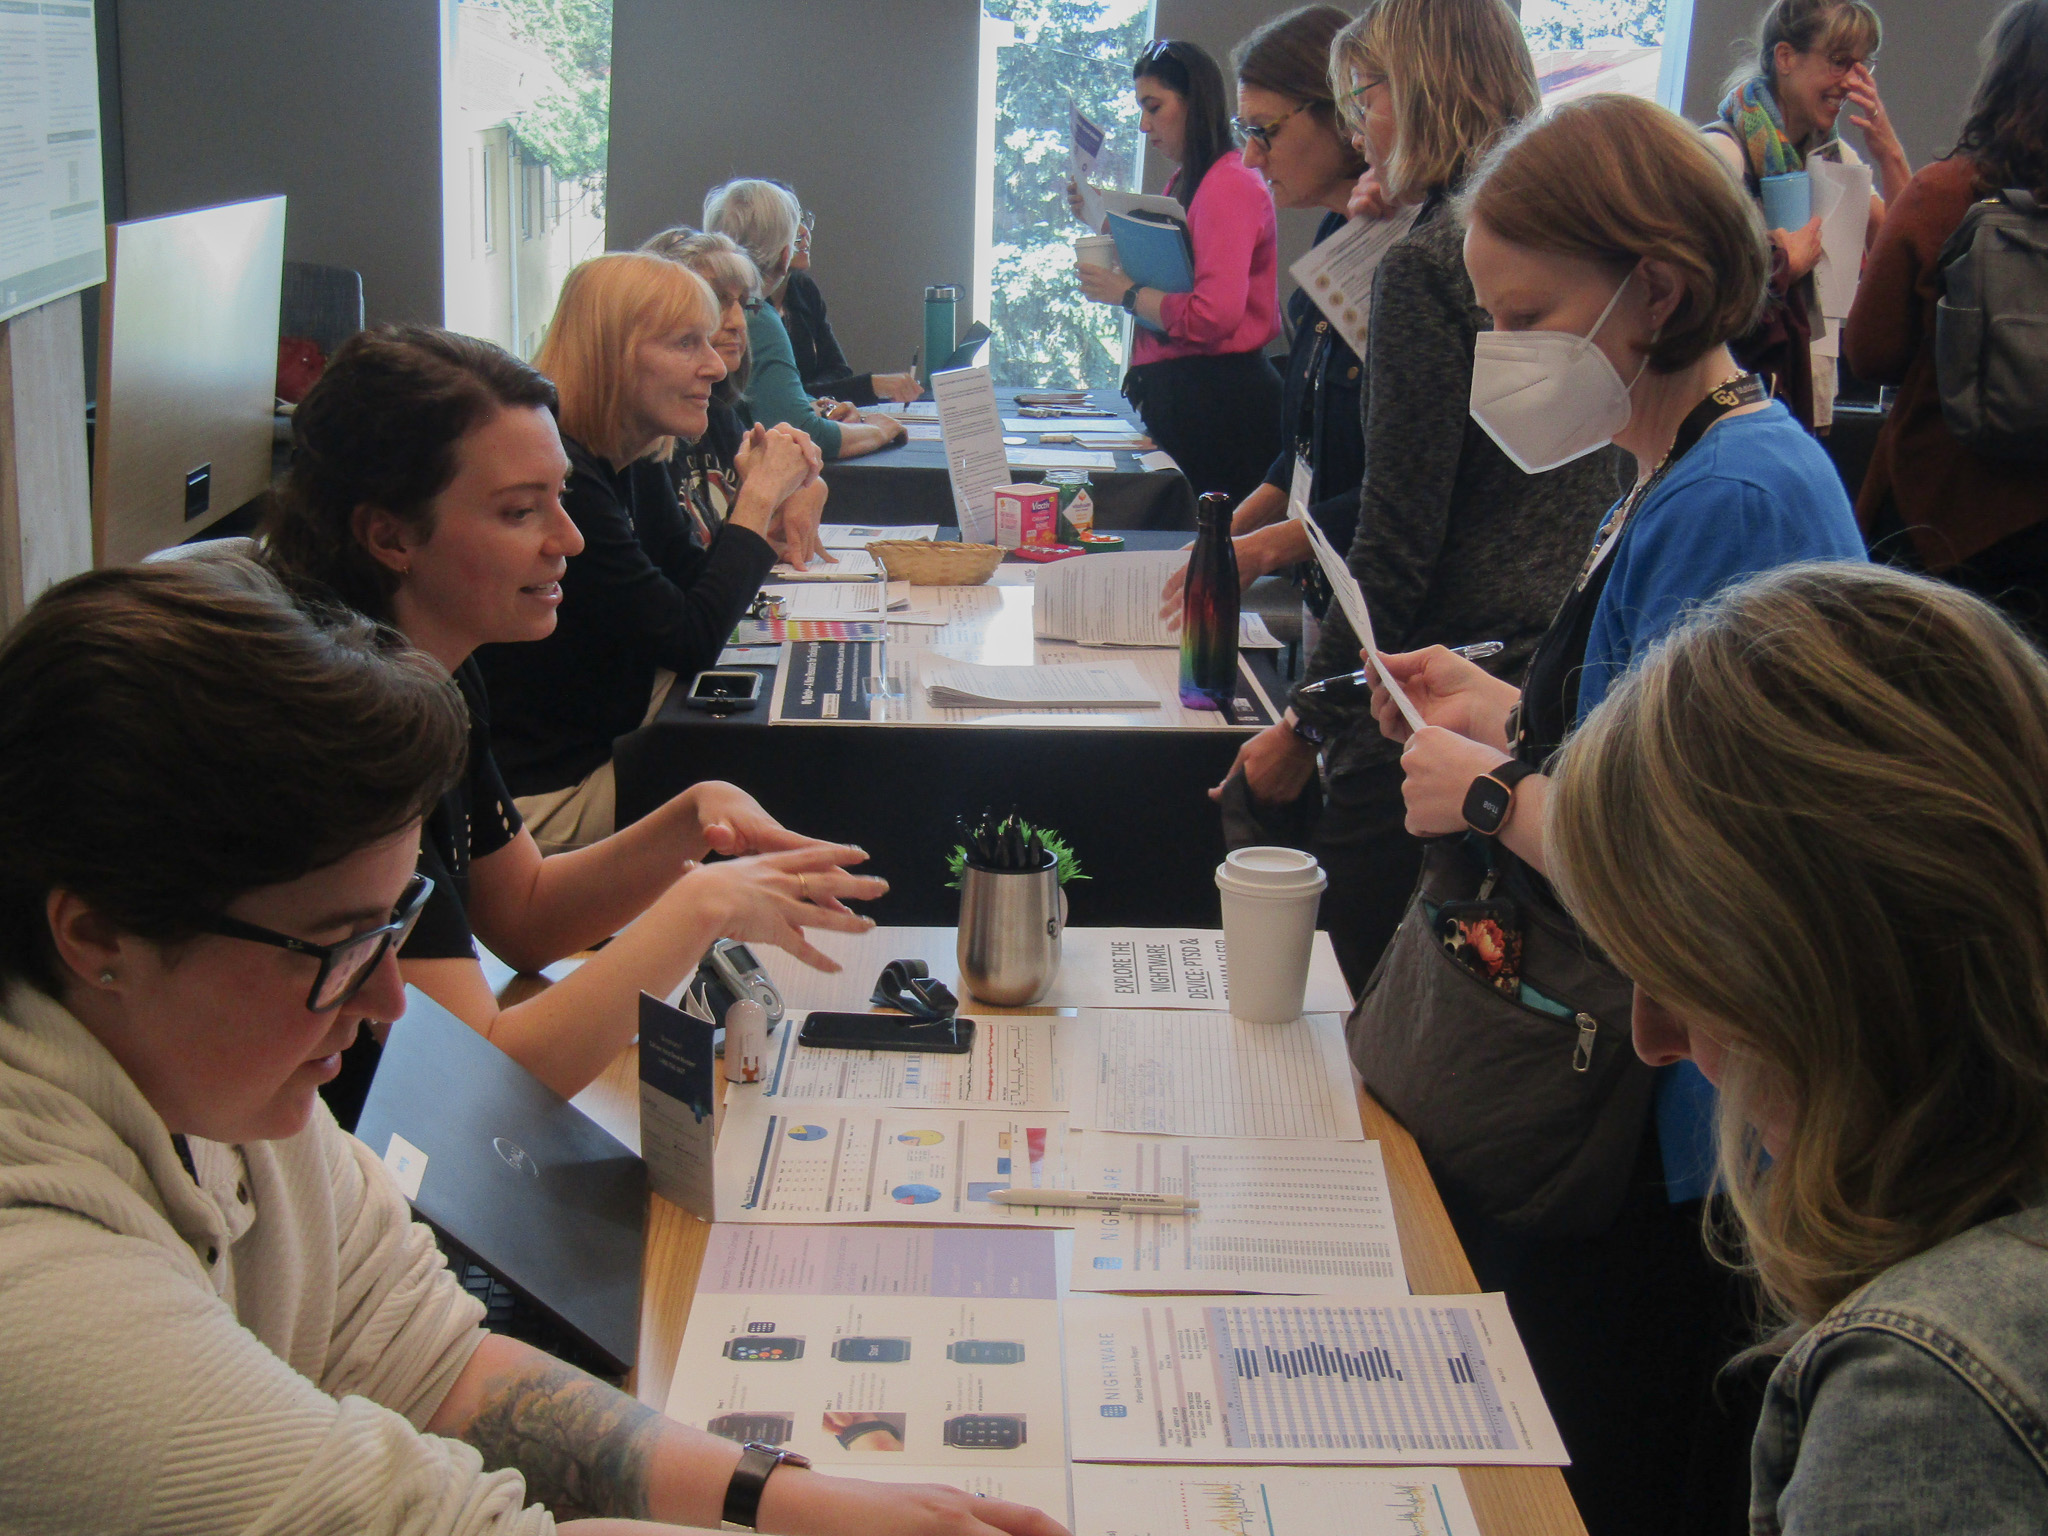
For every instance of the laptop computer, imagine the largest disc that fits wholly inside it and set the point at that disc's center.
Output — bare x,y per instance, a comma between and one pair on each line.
508,1170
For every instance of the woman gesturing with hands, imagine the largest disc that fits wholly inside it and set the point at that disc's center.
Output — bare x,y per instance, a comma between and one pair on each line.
427,492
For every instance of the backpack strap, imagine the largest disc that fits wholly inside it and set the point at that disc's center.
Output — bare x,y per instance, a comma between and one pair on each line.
2022,199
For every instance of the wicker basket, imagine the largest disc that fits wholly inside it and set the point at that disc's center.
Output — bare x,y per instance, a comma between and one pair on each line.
937,562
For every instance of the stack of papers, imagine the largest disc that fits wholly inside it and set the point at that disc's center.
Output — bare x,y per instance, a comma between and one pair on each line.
845,565
856,536
1113,600
1111,685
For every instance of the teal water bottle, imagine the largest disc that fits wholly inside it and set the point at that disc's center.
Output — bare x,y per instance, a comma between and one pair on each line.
939,307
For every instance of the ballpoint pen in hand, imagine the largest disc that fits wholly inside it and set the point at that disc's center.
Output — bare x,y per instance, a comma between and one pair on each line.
1362,680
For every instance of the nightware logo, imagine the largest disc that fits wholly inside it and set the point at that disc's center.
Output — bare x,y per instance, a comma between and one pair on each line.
515,1156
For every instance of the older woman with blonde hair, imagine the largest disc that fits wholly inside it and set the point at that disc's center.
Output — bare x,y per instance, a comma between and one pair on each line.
1617,261
644,601
706,468
1813,827
1453,543
763,219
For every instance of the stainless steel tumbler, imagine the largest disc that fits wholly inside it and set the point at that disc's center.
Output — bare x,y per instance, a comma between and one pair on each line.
1010,924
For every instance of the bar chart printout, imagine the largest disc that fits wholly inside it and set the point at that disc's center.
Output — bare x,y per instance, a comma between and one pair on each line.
1270,1501
1435,1379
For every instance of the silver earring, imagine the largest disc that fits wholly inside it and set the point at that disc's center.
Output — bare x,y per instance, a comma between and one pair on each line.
107,978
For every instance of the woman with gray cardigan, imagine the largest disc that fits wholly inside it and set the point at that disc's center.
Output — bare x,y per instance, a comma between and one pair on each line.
1455,545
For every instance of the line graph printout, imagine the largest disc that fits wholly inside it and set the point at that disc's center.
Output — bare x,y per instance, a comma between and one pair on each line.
847,1163
1435,1379
1280,1501
1276,1216
1207,1074
1016,1063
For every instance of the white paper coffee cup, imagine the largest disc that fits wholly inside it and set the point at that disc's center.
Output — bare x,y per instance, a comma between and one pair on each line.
1095,251
1270,897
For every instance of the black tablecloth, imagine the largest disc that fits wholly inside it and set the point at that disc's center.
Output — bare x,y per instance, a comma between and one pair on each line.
907,483
1133,802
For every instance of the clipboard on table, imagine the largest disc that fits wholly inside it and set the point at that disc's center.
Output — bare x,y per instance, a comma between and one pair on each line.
1155,251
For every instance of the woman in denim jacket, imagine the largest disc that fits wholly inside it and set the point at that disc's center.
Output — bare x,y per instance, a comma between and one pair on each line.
1813,827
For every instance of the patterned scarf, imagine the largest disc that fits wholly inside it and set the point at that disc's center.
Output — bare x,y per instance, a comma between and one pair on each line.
1751,111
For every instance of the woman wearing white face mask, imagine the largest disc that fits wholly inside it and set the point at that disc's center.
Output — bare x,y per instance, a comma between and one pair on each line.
1617,259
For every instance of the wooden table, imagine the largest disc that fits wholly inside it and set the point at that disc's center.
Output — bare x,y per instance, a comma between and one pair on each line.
1508,1501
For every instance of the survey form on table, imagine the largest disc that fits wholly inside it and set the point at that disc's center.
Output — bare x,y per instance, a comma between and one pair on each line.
1209,1074
1270,1501
1017,1063
1432,1379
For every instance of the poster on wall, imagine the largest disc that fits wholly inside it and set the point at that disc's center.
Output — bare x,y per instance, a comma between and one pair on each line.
53,229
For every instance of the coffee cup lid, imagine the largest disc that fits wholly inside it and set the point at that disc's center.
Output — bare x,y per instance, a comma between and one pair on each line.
1279,871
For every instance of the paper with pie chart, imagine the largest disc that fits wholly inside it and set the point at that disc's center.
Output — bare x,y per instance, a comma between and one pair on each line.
829,1162
918,1350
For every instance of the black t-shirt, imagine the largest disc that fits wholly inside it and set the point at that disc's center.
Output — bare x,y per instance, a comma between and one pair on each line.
474,819
643,594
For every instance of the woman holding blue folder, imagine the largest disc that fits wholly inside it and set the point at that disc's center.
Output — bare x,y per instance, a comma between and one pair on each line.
1199,375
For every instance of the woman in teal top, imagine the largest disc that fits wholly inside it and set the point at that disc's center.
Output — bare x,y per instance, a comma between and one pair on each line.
763,218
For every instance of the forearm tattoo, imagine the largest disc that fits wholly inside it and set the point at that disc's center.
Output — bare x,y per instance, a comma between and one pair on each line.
585,1448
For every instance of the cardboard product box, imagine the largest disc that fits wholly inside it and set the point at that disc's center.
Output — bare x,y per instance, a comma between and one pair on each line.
1027,516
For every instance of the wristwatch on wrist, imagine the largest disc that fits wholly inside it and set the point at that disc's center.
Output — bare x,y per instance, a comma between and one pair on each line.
1492,796
743,1494
1308,733
1131,298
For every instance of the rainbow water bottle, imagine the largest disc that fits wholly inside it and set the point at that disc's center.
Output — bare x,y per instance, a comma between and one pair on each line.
1208,631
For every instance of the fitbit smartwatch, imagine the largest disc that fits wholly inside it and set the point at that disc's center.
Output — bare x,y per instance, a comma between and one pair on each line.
743,1494
1492,796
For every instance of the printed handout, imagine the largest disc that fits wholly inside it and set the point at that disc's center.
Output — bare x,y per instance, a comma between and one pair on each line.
1338,274
1016,1064
976,463
854,1368
1208,1074
1274,1217
844,1163
1433,1379
1280,1501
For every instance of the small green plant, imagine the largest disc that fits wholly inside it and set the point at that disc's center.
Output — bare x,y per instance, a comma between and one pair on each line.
1010,843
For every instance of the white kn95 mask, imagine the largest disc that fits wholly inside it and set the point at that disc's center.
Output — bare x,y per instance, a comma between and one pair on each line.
1548,397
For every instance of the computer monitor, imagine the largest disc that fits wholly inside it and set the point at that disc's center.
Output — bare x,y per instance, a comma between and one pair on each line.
187,375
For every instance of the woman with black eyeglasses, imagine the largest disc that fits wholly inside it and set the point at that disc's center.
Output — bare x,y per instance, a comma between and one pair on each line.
1199,375
219,1313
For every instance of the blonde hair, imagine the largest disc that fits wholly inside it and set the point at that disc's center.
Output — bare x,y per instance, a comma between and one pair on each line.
1459,73
610,304
762,217
1619,180
733,277
1849,27
1815,819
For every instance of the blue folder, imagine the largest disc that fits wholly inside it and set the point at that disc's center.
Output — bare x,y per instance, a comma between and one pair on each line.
1156,253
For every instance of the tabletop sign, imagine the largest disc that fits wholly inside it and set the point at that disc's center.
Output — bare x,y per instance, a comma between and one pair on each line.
828,680
678,1090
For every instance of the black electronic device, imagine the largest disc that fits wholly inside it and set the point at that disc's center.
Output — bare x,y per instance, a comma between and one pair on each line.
985,1352
887,1032
985,1431
724,690
775,1346
871,1351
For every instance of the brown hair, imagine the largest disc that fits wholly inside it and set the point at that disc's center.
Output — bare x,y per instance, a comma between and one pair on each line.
173,735
380,429
733,277
1816,819
2006,132
1832,26
1617,179
1290,56
1460,75
609,305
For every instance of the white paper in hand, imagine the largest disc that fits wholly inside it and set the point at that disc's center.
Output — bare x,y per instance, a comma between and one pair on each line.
1345,586
1841,196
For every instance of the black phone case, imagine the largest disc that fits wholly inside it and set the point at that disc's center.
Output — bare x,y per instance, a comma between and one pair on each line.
887,1032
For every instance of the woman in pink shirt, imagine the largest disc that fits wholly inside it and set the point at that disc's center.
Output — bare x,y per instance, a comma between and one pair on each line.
1199,375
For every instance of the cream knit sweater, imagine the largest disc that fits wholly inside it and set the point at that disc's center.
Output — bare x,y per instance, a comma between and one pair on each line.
253,1353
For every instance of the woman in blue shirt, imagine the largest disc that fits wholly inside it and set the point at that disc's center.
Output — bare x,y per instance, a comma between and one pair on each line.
1617,260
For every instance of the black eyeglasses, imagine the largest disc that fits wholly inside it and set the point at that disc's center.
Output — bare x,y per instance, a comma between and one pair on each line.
1261,134
346,966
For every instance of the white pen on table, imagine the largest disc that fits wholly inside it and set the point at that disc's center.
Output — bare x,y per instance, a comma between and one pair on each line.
1097,1200
1362,679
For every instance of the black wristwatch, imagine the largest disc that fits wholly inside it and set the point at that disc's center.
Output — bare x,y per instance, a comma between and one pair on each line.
1131,298
1313,735
743,1494
1492,795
